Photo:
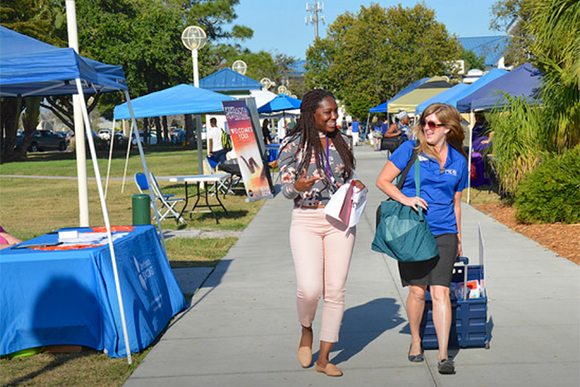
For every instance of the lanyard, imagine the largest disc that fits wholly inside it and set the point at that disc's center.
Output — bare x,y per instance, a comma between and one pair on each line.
328,171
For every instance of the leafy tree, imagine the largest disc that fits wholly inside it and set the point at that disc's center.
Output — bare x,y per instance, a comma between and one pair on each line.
472,61
524,135
211,15
555,26
39,19
512,15
368,57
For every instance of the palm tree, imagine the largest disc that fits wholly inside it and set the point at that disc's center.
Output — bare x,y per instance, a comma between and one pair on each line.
555,26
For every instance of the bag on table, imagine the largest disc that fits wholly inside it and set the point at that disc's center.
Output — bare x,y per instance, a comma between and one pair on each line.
402,232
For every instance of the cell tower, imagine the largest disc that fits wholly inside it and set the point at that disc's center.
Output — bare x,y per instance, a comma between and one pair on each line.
315,8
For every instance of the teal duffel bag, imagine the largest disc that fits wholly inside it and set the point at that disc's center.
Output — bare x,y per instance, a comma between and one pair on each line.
402,232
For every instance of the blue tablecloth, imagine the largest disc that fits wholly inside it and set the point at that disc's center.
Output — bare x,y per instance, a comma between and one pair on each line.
69,297
272,150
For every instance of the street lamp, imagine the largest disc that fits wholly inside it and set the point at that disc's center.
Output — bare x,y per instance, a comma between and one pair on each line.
240,66
194,39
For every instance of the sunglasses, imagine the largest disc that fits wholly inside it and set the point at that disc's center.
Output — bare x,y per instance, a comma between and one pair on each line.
431,124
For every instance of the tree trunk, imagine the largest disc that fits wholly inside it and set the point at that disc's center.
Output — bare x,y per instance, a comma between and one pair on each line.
158,129
189,128
10,112
165,129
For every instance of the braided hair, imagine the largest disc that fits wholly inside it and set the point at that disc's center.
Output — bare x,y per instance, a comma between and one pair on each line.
309,135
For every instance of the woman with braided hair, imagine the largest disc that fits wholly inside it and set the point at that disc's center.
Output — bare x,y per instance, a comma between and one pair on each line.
315,159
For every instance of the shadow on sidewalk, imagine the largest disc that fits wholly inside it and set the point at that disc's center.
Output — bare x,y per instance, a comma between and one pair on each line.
362,324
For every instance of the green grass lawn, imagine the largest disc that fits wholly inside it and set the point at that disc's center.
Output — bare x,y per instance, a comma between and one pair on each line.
30,207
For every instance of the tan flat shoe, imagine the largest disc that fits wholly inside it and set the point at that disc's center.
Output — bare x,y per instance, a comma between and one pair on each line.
330,369
305,356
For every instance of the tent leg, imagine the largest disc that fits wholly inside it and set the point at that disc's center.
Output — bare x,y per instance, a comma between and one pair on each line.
146,171
105,216
472,118
112,139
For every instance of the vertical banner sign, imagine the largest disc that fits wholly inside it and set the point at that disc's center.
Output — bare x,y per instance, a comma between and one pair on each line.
246,147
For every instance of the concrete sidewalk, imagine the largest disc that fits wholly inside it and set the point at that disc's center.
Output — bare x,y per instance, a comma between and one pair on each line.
242,329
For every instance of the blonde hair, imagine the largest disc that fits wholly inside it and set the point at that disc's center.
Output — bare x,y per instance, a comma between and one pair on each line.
450,117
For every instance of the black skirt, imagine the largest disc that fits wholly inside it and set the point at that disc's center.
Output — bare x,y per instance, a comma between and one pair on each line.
435,271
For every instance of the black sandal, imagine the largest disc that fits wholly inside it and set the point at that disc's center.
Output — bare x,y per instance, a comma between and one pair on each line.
415,358
446,367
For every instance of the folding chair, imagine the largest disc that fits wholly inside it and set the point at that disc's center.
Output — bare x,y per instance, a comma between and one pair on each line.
221,186
168,202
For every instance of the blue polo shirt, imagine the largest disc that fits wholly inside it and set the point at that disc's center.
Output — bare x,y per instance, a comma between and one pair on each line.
355,127
437,188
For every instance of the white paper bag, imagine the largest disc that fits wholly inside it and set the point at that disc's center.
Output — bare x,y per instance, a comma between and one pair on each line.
359,202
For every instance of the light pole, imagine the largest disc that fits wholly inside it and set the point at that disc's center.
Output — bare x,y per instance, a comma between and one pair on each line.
240,66
194,38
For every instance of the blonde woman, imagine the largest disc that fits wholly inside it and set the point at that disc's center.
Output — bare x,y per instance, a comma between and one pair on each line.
443,175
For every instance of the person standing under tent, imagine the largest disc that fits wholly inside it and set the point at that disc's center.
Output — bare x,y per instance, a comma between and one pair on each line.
443,175
315,159
403,124
216,149
266,132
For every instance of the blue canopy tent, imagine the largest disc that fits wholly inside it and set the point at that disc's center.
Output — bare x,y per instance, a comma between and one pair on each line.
442,97
524,80
482,81
29,67
280,103
180,99
382,108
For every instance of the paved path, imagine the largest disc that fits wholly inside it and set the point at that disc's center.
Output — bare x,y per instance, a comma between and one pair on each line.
242,330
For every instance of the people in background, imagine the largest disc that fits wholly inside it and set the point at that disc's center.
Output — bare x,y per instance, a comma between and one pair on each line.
7,240
403,124
215,148
443,175
393,136
266,132
354,131
315,159
482,133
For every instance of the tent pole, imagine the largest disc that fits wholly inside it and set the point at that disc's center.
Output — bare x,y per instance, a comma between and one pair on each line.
105,217
112,139
146,171
127,156
472,119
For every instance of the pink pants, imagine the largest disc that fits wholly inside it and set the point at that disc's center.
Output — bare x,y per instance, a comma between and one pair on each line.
321,248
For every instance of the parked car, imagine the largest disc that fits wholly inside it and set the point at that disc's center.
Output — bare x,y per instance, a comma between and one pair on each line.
151,139
104,134
44,140
177,136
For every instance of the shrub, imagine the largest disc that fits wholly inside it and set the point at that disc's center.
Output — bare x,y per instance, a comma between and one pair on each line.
551,192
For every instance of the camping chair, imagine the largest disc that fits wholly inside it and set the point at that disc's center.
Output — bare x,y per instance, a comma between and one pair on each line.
221,186
168,202
232,167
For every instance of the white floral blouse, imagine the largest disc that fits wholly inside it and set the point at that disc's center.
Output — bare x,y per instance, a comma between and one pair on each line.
320,193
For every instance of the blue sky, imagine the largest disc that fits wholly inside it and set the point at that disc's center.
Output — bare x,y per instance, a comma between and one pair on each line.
279,25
